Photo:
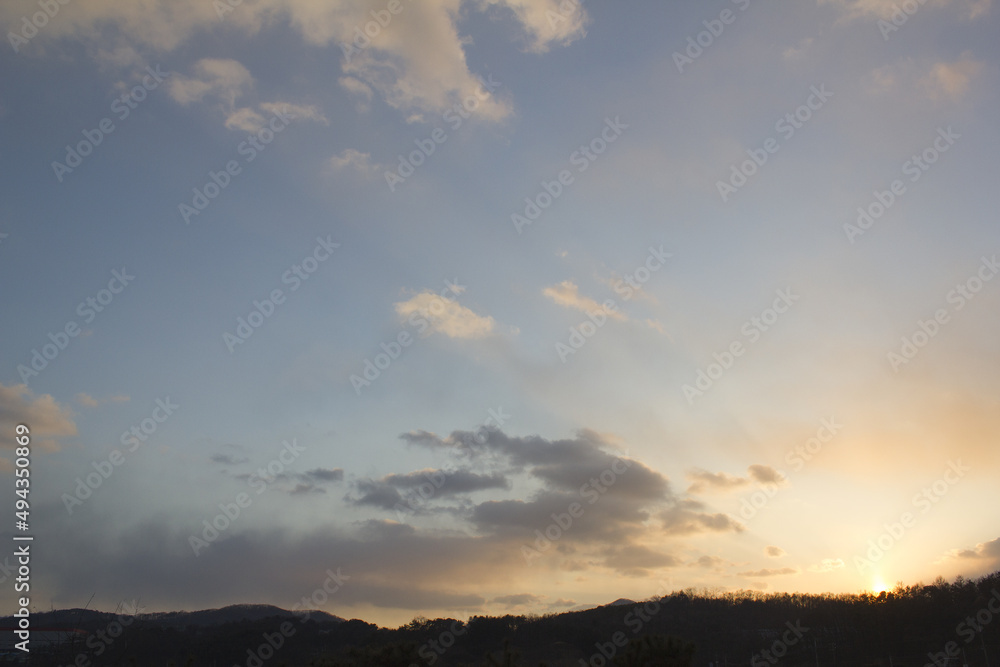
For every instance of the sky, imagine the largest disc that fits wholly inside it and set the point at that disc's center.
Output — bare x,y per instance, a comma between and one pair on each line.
497,306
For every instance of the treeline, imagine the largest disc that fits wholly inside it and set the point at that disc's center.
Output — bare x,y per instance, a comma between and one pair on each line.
940,624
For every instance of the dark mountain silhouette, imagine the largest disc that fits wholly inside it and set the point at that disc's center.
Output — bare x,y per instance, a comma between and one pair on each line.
88,619
621,602
944,624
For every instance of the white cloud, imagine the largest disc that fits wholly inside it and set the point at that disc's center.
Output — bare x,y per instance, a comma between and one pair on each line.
657,326
796,52
416,62
446,316
884,9
43,415
547,22
421,70
86,400
768,572
245,119
223,78
350,158
948,81
951,80
248,120
296,111
703,480
567,294
360,91
827,565
120,57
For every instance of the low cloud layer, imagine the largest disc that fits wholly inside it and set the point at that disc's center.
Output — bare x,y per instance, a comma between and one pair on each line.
596,507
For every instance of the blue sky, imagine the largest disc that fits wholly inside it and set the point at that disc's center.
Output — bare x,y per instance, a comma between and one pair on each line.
528,366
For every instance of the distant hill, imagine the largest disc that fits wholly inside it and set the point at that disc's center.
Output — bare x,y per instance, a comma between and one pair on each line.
899,627
91,619
232,614
621,602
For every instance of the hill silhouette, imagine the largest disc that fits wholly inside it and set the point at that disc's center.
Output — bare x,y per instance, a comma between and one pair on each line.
911,625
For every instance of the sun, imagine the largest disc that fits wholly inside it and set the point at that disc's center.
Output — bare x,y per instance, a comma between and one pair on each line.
878,586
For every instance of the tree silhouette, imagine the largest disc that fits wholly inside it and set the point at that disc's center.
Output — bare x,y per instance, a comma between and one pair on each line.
657,651
509,658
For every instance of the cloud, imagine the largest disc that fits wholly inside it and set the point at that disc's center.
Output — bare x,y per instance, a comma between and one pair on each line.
235,455
388,566
296,111
636,560
765,475
376,493
939,81
447,482
413,489
428,566
568,464
704,481
86,400
989,551
517,600
658,327
567,295
615,496
416,63
350,158
245,119
300,483
687,517
547,22
768,572
248,120
709,562
359,91
951,80
222,78
228,459
428,439
119,57
159,25
827,565
562,602
796,52
326,474
46,419
977,8
884,9
445,315
774,552
622,494
292,483
710,481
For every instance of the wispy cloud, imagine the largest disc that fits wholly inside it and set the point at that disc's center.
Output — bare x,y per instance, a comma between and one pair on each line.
48,420
567,294
445,316
223,79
